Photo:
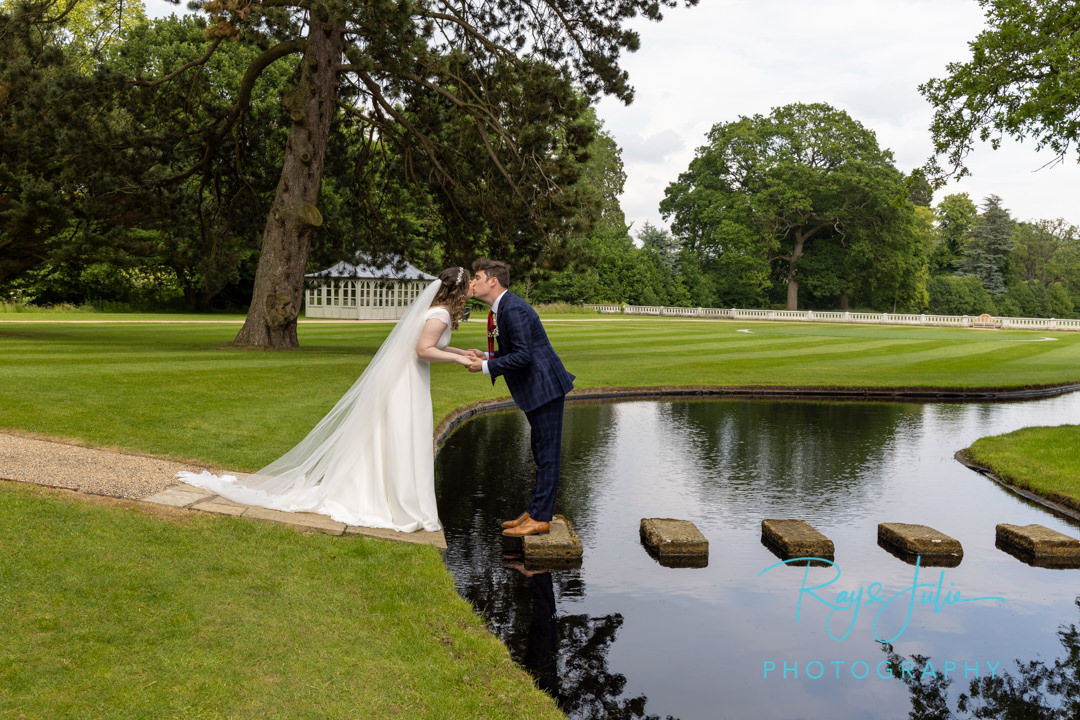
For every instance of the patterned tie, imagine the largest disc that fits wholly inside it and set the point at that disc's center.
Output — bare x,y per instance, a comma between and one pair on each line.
491,333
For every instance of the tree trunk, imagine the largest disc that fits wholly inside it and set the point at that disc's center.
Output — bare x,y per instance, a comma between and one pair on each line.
792,290
279,279
843,300
793,270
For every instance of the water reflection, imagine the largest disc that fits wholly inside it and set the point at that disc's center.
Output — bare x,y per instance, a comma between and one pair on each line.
1032,690
624,636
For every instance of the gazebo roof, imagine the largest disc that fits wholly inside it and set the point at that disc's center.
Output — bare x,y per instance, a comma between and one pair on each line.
387,272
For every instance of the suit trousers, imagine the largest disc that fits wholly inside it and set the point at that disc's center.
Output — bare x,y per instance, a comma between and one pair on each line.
545,436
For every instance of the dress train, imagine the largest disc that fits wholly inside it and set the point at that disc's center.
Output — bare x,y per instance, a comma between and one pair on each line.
370,460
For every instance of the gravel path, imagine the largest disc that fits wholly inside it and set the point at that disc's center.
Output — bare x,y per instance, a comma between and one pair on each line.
89,470
118,474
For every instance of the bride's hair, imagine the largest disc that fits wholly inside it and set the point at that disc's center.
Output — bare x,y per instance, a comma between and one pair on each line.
453,293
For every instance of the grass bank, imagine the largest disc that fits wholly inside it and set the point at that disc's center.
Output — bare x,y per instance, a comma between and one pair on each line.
1043,460
109,611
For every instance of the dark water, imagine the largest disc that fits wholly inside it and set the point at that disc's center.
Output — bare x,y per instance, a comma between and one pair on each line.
623,636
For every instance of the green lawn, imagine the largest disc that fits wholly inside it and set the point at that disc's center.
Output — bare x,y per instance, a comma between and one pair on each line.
1045,460
111,612
178,390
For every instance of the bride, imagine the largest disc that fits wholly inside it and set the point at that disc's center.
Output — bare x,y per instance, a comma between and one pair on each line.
370,460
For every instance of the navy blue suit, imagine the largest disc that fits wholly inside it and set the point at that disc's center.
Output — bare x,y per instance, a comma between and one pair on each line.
538,382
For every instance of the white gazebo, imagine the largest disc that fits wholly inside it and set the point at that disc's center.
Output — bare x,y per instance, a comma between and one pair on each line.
360,292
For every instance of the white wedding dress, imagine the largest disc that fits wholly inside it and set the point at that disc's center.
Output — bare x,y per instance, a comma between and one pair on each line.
370,460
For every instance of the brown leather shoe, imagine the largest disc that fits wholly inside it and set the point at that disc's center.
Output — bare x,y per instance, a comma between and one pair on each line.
516,521
529,527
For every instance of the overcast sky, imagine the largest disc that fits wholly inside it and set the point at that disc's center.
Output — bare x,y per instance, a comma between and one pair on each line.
728,58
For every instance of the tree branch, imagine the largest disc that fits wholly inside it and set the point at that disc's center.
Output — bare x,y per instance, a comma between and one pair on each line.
247,84
429,147
475,109
493,48
179,71
243,100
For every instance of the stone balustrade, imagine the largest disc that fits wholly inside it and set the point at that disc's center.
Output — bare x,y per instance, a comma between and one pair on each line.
964,321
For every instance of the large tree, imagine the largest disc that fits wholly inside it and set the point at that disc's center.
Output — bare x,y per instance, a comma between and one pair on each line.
56,123
986,255
1047,251
767,192
483,102
956,215
1022,81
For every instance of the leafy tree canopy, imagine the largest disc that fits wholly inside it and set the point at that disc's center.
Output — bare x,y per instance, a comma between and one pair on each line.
767,192
86,27
484,103
1022,81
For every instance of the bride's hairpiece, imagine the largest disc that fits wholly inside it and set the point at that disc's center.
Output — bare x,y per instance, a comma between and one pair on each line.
458,279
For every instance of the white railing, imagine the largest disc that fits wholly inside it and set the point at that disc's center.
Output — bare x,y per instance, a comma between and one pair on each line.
966,321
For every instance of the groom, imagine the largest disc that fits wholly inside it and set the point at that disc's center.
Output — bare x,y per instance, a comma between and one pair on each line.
537,380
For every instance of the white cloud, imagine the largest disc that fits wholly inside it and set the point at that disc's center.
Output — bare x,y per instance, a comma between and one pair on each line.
729,58
654,148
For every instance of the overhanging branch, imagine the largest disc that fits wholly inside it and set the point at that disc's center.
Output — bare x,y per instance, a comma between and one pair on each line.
183,68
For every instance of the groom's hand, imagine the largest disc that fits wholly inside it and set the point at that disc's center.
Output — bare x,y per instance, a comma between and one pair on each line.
477,365
474,354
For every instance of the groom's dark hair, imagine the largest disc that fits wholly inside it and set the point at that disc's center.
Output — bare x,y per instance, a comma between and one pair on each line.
493,268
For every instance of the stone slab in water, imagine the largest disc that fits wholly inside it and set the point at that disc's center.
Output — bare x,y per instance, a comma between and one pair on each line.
911,541
673,538
796,538
679,561
560,542
1039,545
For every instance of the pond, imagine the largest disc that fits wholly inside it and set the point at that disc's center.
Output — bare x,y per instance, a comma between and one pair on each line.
624,636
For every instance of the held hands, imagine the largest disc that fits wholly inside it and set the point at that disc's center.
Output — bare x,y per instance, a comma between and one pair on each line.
475,360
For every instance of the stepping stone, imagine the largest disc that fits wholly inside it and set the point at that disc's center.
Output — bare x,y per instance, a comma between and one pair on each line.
180,496
909,542
675,543
790,539
560,543
1039,546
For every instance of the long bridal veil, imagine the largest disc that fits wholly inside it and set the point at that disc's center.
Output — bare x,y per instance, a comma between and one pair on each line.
369,461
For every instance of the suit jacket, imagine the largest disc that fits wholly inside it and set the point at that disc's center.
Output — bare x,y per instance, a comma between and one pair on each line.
534,373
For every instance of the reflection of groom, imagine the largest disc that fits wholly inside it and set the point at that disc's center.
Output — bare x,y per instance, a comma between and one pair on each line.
536,378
